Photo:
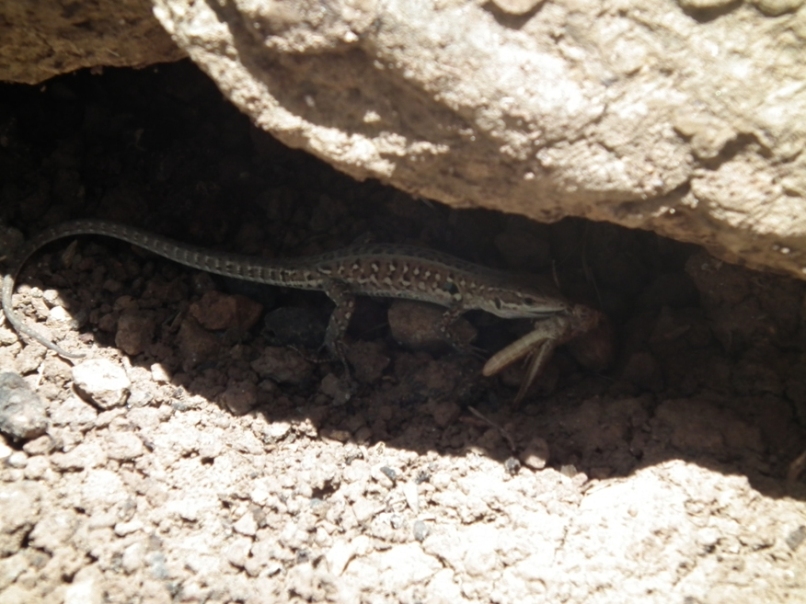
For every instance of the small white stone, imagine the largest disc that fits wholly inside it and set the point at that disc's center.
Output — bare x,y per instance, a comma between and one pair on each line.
57,314
412,496
339,556
124,528
86,587
246,525
102,382
238,551
536,454
160,374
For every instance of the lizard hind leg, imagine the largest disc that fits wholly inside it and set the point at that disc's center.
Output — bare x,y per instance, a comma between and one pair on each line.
344,299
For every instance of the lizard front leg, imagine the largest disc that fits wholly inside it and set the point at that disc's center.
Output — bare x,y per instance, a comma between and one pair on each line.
344,299
452,336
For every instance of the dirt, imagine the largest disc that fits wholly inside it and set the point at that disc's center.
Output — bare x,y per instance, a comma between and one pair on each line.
242,467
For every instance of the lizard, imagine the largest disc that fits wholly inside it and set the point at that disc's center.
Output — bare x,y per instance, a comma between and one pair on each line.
380,270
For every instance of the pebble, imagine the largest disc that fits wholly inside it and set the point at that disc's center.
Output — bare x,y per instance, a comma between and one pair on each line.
196,345
240,397
536,454
335,388
7,336
22,413
58,314
19,512
18,459
296,326
412,496
512,466
75,413
237,551
796,537
132,559
381,475
100,490
277,431
217,311
246,525
420,530
101,382
135,332
123,446
37,468
282,365
160,373
419,326
85,588
5,450
445,413
85,455
369,360
339,555
125,528
774,8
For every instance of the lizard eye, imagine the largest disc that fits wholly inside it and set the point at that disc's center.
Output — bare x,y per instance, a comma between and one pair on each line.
530,301
498,303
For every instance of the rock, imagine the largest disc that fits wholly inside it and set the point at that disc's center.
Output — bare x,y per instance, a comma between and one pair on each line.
86,587
160,373
135,332
240,397
19,512
246,524
644,371
22,413
777,7
529,132
536,454
283,365
298,326
29,55
445,413
516,125
418,326
217,310
238,550
196,345
368,359
101,382
123,446
74,412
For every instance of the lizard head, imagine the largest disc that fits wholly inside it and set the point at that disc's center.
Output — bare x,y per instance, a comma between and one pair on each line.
522,302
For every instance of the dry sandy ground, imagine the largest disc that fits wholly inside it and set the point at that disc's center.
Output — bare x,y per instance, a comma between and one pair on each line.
202,454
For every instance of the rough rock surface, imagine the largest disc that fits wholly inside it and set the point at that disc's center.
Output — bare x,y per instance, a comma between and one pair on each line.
683,118
42,39
22,413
